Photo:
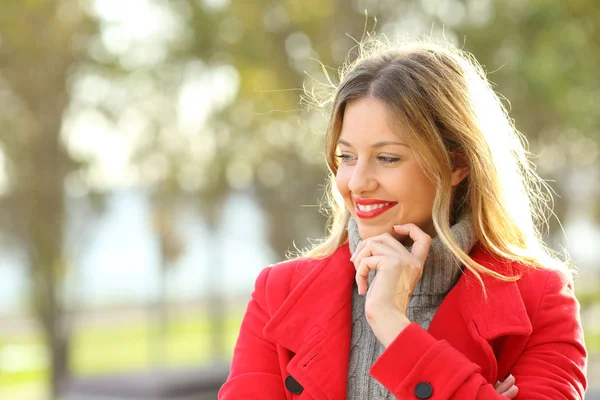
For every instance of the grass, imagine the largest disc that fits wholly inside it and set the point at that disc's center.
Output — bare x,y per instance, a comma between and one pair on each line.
592,343
138,346
111,349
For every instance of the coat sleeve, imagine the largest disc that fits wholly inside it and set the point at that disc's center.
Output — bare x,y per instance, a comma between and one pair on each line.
254,373
551,367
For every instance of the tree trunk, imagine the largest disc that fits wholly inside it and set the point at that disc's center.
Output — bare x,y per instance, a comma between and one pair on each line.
215,302
58,340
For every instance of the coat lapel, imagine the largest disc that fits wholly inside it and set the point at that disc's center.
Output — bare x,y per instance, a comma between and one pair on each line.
314,323
481,320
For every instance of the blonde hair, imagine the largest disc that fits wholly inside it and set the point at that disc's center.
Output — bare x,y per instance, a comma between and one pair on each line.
441,96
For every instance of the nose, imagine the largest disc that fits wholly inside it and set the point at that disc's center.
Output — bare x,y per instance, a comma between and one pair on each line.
363,179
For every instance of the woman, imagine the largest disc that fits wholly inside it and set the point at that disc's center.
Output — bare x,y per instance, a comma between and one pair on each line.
433,282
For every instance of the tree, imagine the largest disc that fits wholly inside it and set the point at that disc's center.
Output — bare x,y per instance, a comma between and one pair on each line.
39,47
273,147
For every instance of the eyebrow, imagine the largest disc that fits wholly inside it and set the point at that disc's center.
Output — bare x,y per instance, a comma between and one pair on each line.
378,144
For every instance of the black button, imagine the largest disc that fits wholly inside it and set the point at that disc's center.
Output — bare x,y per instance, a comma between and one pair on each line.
423,390
292,385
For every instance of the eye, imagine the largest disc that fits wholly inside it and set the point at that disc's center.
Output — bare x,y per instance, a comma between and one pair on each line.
344,157
388,160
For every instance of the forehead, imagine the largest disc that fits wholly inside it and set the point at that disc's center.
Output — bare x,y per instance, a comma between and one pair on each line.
368,120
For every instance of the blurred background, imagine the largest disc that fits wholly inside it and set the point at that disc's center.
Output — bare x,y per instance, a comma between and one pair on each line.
155,156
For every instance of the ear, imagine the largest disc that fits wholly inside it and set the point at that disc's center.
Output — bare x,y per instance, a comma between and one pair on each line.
461,169
458,175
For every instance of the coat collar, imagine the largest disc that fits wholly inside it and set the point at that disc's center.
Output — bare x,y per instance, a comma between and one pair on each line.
314,321
499,310
322,291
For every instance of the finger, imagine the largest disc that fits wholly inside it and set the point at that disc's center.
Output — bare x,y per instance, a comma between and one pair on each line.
391,241
363,243
359,254
511,393
362,272
506,384
358,249
373,247
421,240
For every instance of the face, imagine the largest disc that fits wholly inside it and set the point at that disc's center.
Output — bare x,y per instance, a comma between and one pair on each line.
378,176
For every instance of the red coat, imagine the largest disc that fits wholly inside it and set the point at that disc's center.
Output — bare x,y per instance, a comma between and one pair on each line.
295,337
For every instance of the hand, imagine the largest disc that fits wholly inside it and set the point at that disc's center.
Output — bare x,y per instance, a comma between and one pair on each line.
398,272
507,388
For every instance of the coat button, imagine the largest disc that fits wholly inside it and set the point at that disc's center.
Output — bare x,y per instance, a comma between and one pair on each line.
423,390
292,385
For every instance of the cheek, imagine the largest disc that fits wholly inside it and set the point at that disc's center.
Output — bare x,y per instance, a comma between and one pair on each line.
427,192
416,188
341,180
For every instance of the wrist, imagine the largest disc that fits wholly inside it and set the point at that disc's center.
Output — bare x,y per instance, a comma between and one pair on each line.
388,324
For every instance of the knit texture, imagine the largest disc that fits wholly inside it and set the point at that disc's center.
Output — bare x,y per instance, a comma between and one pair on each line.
440,272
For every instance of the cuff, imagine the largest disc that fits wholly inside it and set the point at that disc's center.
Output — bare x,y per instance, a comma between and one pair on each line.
416,357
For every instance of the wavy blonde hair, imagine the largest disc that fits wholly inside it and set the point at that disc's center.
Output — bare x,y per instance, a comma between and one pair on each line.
442,98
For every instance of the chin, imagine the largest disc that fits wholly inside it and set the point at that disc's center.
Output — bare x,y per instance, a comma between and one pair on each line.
369,232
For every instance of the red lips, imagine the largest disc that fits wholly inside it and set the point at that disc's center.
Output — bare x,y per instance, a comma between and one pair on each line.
371,208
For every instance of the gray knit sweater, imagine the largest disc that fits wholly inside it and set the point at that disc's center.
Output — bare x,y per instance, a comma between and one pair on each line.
440,273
